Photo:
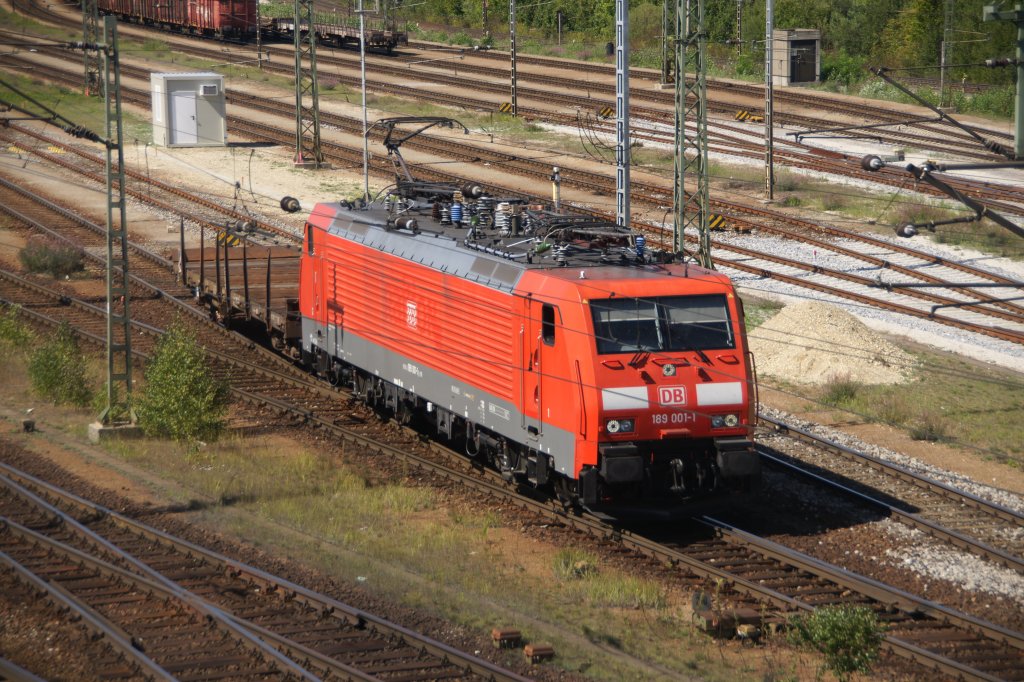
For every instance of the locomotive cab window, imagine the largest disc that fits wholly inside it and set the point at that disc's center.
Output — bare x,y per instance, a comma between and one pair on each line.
666,323
309,239
547,324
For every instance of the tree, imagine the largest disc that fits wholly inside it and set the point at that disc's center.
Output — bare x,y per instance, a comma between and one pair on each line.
181,400
57,369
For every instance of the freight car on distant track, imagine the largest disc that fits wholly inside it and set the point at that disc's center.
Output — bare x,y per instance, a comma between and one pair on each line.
239,19
335,31
558,348
234,19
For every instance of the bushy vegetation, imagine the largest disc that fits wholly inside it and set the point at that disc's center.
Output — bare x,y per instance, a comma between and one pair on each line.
15,336
840,390
51,257
848,636
57,370
855,34
181,401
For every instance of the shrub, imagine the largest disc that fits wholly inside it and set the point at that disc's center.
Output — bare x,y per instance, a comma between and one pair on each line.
57,369
15,336
833,202
892,409
748,65
930,427
842,69
181,400
51,257
840,389
786,182
848,636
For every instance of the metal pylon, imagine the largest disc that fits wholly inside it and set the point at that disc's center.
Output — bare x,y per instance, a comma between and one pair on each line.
119,339
307,116
622,184
91,36
691,157
512,52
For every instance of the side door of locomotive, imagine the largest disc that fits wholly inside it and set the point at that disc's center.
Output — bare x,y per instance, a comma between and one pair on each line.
538,341
335,309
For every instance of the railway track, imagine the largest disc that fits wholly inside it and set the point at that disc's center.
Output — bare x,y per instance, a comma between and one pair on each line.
952,642
964,308
191,612
951,138
765,572
752,94
952,516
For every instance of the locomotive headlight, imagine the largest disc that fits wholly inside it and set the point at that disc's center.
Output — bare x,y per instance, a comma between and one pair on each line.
719,421
620,425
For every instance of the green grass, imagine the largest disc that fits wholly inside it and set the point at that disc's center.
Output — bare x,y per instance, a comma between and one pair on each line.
758,311
13,21
396,539
949,399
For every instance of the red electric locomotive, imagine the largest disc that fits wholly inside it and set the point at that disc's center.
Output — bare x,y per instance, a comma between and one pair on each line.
558,347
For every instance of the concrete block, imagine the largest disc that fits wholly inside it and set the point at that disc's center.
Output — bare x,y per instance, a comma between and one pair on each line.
101,433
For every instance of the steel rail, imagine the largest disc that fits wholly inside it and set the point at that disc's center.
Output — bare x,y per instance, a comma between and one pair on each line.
95,624
302,381
600,184
894,470
297,376
882,594
912,520
147,583
599,528
16,480
292,591
803,98
752,90
995,332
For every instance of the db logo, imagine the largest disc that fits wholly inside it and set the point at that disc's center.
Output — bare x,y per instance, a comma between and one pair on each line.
672,395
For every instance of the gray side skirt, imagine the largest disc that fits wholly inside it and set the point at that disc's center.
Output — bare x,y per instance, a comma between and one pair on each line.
469,402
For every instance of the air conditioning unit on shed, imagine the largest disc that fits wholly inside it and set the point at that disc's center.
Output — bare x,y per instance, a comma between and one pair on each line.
208,90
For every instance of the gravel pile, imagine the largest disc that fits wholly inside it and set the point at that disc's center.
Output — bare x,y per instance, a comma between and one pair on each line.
978,346
815,343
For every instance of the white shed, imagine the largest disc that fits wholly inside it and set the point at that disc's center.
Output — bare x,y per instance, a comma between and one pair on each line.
189,109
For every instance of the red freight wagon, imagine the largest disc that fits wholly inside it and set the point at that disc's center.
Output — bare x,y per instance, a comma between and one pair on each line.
234,18
554,346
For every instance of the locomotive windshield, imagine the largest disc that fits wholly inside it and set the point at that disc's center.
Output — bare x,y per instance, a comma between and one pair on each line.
665,323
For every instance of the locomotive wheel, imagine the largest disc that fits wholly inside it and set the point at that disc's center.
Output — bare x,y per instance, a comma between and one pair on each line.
364,389
403,412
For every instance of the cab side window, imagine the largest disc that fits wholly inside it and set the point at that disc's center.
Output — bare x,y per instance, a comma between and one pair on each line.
547,324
